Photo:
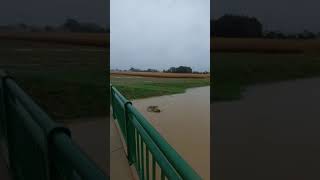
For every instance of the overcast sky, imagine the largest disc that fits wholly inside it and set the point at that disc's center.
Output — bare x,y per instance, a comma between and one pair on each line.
284,15
160,34
53,12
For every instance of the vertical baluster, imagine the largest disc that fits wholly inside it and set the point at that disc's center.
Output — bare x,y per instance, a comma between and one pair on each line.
162,175
142,160
136,146
138,151
147,163
153,168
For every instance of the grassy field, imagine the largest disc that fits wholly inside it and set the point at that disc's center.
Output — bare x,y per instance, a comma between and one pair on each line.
68,81
238,62
135,87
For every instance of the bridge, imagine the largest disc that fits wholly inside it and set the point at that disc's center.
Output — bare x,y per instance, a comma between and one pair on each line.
146,150
33,145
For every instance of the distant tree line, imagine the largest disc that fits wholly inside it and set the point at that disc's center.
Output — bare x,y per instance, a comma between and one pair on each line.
279,35
75,26
180,69
250,27
70,25
140,70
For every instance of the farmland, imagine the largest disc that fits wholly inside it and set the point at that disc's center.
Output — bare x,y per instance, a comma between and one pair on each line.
135,87
67,80
252,45
161,75
238,63
86,39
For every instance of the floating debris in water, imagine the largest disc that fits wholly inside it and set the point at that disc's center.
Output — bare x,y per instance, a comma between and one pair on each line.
153,109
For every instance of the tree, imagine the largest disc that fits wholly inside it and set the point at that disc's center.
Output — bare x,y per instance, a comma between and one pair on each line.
23,26
151,70
134,69
275,35
236,26
49,28
72,25
180,69
91,27
308,35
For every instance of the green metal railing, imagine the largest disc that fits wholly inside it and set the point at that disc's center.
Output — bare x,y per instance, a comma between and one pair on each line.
36,147
147,150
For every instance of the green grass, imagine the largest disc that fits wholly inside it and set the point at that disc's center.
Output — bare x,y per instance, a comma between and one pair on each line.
66,81
234,71
142,87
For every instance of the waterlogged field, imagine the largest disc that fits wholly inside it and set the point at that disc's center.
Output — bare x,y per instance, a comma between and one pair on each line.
66,80
236,67
136,87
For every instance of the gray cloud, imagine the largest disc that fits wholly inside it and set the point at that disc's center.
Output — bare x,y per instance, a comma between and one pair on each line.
160,33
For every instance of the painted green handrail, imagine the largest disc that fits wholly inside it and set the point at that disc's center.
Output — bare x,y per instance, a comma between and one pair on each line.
141,138
37,147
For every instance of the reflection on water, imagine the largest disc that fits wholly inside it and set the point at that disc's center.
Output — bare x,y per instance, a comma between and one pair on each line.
184,121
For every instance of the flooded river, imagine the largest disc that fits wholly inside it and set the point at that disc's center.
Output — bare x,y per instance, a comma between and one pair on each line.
273,132
184,121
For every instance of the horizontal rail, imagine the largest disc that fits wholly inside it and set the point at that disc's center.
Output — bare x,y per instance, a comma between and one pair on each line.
183,168
78,160
56,146
150,136
35,111
163,162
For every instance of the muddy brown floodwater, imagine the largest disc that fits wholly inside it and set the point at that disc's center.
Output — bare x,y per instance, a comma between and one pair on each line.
272,133
184,121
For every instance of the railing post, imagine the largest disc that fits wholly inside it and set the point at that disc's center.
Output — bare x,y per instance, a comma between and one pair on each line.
112,101
128,129
130,134
68,170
